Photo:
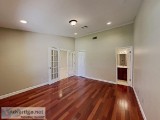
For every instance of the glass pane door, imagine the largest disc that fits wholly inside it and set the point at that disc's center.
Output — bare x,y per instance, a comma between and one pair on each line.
54,64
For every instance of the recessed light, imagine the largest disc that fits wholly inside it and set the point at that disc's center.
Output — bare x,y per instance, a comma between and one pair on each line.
109,23
23,21
73,22
75,33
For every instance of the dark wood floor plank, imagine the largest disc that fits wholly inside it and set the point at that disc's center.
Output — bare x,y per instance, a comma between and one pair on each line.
78,98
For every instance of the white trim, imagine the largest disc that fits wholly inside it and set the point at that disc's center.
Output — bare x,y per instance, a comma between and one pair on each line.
108,81
140,106
22,90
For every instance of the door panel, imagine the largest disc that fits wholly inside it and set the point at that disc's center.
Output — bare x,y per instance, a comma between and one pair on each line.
54,63
129,62
81,64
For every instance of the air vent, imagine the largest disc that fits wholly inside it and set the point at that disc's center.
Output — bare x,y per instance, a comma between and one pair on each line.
84,27
94,38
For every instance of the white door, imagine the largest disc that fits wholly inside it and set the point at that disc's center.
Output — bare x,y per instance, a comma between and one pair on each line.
71,63
129,64
81,64
53,65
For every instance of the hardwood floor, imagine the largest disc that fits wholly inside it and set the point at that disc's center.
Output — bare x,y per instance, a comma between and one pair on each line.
78,98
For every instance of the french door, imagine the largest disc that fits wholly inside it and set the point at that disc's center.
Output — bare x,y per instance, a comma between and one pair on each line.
53,65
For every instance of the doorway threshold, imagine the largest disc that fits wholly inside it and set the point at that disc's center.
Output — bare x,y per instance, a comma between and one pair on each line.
122,82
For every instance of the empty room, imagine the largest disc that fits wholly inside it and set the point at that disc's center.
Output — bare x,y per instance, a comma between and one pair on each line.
79,59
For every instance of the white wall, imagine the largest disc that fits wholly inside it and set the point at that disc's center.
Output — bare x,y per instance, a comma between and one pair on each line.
100,53
147,58
24,58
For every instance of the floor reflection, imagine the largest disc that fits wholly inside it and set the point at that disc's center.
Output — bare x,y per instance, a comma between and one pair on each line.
60,93
123,104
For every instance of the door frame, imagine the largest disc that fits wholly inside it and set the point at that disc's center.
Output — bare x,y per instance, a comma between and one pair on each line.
131,66
50,81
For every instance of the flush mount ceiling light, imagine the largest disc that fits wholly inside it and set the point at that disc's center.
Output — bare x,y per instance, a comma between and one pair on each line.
23,21
75,33
109,23
73,22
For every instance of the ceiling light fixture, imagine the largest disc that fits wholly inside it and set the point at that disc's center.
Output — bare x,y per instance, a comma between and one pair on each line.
73,22
109,23
23,21
75,33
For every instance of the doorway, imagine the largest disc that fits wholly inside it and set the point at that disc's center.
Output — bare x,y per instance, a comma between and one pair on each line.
63,64
71,63
81,64
124,64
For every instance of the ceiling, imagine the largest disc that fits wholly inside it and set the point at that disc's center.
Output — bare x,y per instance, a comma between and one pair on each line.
53,16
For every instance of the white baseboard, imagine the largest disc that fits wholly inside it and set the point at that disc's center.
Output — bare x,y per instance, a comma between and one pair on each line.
108,81
21,91
142,111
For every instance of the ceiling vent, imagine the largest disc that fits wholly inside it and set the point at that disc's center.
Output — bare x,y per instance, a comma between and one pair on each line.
84,27
94,38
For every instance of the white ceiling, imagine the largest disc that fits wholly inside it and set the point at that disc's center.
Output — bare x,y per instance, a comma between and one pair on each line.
52,16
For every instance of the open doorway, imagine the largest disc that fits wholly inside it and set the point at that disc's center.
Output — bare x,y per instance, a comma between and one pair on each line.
124,64
63,64
71,63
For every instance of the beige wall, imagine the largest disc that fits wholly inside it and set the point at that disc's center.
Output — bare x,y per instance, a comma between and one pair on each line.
147,58
100,53
24,58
